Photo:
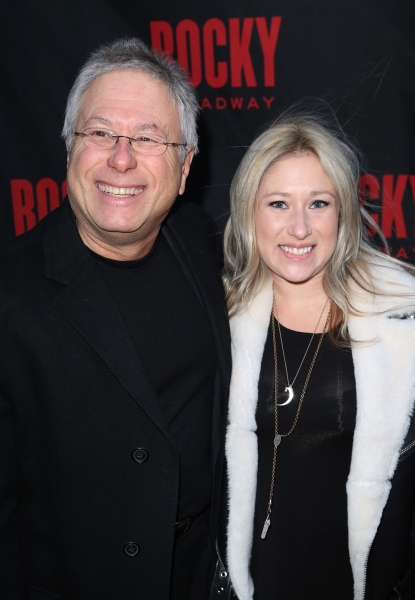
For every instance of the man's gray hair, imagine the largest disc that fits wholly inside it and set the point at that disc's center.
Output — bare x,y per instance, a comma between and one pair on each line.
132,54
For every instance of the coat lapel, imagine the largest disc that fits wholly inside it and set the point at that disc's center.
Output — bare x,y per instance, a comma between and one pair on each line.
249,332
87,304
385,390
193,254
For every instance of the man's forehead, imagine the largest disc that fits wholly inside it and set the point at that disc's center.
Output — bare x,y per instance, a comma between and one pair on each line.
138,96
125,86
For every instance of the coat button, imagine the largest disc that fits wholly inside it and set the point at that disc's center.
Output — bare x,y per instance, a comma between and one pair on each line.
140,455
131,549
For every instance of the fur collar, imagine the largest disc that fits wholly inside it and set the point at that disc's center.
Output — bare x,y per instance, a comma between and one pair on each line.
385,389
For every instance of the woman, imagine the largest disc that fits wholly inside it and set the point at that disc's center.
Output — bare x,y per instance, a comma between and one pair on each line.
320,443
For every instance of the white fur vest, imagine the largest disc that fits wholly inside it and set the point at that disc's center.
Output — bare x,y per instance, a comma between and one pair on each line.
385,390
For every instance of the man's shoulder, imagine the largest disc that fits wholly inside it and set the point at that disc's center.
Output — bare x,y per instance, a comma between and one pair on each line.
21,269
24,249
26,252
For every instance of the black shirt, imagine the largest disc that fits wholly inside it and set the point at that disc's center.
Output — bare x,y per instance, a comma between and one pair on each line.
305,553
171,332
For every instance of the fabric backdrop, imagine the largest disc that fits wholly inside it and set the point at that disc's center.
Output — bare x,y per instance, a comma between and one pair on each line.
248,60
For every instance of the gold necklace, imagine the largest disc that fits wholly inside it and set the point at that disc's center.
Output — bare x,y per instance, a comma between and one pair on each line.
289,389
278,436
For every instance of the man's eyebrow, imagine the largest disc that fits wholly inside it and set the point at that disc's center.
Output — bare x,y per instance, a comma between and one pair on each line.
97,118
152,127
146,126
139,126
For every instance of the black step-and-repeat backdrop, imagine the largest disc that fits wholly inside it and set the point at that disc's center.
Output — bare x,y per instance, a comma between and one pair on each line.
248,60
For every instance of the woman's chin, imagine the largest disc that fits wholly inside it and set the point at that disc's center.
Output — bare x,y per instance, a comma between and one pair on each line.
297,276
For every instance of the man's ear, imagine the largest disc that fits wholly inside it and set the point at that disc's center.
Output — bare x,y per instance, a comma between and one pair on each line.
185,169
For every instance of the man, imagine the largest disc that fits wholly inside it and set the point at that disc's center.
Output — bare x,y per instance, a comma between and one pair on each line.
115,360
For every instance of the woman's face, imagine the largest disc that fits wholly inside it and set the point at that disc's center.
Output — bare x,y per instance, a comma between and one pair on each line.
296,219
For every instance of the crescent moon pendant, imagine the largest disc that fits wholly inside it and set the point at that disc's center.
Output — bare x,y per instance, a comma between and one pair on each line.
290,391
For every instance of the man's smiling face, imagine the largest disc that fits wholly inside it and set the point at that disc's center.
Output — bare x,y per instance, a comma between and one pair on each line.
120,198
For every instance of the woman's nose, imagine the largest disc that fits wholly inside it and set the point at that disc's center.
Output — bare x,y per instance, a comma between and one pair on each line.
299,226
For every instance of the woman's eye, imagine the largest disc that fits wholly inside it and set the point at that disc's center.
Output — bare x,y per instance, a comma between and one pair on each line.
278,204
319,204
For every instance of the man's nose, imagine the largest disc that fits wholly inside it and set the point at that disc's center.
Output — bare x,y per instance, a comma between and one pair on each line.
299,226
122,156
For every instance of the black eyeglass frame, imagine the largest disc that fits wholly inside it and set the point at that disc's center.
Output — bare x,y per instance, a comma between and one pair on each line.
131,140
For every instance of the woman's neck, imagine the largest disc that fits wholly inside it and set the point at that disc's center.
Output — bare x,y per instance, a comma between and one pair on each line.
298,306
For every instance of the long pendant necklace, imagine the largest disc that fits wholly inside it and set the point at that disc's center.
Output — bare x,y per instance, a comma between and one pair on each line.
289,389
278,436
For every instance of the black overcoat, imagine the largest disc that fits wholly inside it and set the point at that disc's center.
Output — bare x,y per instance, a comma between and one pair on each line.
75,403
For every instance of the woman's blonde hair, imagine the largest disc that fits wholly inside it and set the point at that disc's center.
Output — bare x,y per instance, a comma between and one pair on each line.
244,272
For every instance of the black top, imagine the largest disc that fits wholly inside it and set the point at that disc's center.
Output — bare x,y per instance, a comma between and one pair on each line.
305,553
171,332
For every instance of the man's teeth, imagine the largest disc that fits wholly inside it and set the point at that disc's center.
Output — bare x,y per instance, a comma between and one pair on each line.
298,251
117,191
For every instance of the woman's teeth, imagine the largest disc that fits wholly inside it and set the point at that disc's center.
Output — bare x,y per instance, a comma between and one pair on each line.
297,251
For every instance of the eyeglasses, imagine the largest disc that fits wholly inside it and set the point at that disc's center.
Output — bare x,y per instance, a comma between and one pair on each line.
105,140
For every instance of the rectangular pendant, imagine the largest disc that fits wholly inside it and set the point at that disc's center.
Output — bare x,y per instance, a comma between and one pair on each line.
266,527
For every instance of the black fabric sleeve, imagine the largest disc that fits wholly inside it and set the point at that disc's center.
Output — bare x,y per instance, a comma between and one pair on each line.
12,583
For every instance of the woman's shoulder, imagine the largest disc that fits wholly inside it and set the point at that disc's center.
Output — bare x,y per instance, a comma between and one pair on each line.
383,285
387,274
